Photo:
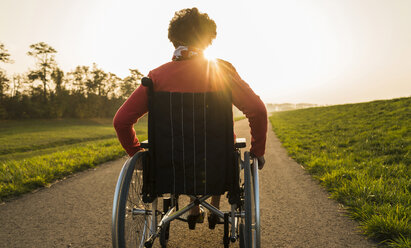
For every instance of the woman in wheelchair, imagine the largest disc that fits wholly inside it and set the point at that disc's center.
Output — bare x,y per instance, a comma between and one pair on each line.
189,101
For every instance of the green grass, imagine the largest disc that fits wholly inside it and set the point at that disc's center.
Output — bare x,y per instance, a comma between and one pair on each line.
238,118
34,153
30,135
361,154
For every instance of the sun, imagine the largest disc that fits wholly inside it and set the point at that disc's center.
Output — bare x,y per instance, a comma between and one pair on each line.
209,54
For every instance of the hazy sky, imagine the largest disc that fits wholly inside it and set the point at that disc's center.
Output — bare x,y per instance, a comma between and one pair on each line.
318,51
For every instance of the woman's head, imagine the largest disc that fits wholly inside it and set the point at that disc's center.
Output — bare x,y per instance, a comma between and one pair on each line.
189,27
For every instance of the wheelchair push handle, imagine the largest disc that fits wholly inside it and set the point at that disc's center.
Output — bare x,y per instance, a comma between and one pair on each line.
147,82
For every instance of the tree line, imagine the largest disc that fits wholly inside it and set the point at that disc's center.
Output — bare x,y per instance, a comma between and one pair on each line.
48,92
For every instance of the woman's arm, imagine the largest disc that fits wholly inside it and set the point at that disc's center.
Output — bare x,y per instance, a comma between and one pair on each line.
127,115
254,109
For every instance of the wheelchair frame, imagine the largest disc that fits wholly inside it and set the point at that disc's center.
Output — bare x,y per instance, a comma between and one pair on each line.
244,219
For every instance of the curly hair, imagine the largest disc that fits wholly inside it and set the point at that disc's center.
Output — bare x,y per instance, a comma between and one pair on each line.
189,27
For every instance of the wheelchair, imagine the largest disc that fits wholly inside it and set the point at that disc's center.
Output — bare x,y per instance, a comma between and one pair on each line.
190,151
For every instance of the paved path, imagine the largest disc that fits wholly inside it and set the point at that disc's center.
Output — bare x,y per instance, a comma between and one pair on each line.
76,212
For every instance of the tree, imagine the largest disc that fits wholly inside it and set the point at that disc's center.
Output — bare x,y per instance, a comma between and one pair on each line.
80,76
4,54
17,84
111,86
96,84
5,58
57,76
44,54
3,84
130,83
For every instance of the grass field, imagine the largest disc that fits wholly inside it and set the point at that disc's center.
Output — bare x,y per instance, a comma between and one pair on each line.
238,118
34,153
362,154
22,136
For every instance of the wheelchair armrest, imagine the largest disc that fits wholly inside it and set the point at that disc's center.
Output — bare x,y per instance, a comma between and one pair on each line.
240,143
144,144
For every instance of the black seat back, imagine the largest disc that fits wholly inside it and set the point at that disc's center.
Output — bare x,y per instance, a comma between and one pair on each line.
191,143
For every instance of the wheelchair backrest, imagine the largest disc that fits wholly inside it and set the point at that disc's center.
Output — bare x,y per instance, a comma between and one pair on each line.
191,143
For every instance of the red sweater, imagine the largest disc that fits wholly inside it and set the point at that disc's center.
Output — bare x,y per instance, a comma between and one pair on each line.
193,75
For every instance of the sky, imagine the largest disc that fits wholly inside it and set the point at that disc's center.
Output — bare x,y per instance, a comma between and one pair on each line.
308,51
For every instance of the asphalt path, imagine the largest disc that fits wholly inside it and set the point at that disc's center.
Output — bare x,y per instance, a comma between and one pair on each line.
76,212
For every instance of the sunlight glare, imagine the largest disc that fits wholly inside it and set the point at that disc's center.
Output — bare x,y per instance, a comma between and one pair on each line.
210,55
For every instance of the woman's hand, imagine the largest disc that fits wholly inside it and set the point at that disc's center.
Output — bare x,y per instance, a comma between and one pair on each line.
261,161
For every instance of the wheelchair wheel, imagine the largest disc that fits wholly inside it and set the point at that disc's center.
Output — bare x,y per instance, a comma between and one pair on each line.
131,216
164,236
242,239
165,232
251,204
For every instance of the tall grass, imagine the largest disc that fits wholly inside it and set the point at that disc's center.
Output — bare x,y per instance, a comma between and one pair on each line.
361,154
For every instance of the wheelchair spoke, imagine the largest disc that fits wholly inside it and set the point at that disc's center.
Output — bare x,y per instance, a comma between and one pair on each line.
140,211
138,215
136,233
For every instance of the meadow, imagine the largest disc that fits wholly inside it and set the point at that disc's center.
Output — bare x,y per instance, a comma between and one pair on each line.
34,153
361,154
